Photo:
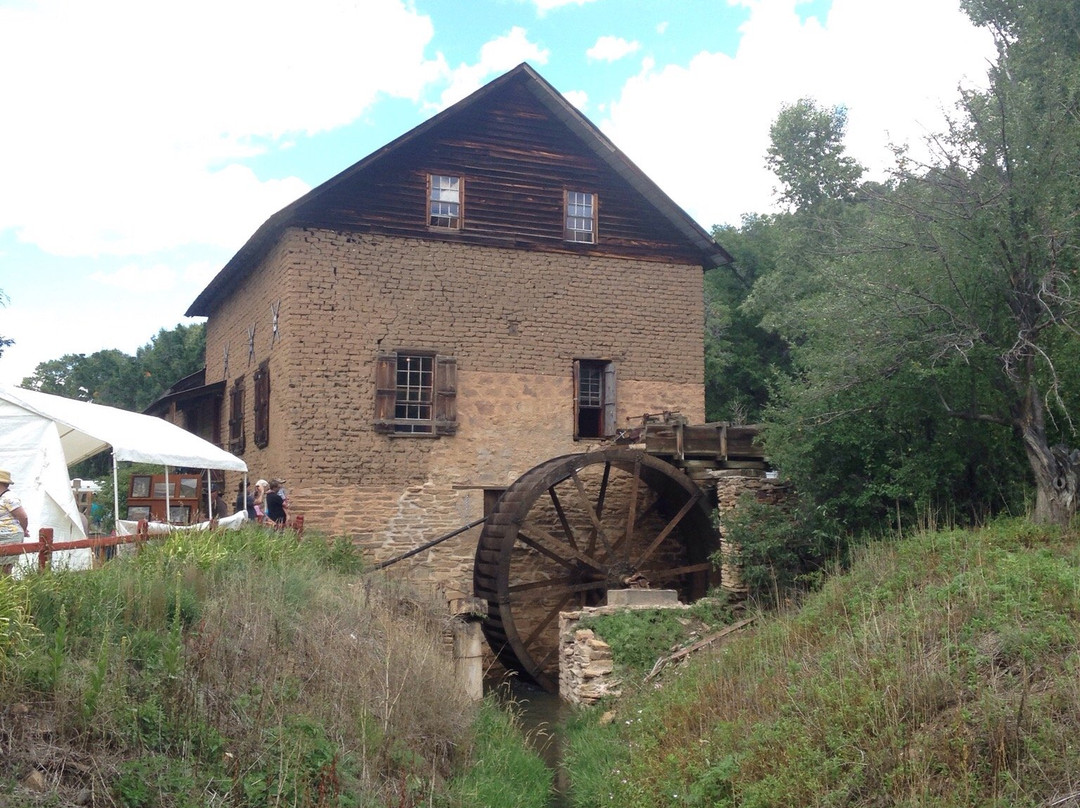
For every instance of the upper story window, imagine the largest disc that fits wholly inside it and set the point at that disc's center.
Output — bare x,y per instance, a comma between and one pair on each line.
415,393
581,217
444,201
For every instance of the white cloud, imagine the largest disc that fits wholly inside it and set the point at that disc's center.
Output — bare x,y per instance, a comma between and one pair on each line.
136,111
701,130
662,27
611,48
156,278
579,98
496,56
544,6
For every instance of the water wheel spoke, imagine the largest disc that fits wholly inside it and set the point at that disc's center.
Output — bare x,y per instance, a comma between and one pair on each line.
540,548
590,509
543,535
639,520
543,661
558,607
547,583
569,531
666,574
603,491
631,511
670,526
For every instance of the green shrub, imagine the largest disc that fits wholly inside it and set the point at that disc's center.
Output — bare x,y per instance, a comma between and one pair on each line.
781,549
638,637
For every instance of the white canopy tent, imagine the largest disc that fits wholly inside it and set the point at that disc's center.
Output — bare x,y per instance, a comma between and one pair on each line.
41,435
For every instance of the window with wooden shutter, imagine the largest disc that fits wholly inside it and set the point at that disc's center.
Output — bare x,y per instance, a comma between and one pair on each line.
236,417
262,405
445,395
594,398
415,394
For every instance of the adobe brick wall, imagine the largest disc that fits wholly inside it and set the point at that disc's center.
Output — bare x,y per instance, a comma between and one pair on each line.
514,320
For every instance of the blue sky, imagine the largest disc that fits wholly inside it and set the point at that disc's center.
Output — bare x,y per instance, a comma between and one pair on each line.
145,141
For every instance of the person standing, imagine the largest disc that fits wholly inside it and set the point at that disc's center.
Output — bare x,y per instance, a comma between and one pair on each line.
245,504
275,504
261,487
14,521
220,506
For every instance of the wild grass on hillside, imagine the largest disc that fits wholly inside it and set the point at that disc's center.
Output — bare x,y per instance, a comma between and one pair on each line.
239,669
943,670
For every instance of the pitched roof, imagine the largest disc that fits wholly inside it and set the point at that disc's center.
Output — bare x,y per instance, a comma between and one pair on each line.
696,237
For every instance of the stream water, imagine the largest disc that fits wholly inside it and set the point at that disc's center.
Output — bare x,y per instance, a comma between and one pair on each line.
541,715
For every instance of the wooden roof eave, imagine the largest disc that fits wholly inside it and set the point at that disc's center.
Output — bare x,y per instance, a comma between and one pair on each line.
247,257
713,254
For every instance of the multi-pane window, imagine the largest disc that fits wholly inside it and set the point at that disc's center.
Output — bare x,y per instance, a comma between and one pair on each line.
581,217
444,201
415,393
413,402
594,398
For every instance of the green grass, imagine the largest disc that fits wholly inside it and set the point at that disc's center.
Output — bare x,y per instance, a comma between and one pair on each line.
242,669
641,636
505,771
940,671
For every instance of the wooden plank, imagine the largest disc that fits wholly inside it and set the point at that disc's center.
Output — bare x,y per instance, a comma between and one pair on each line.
685,652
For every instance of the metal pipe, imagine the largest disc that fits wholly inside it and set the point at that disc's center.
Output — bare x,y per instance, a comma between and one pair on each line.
430,544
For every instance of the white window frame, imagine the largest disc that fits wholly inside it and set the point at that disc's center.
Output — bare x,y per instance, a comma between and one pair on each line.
445,198
580,216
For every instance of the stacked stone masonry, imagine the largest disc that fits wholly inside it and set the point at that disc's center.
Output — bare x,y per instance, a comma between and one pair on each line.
729,488
514,320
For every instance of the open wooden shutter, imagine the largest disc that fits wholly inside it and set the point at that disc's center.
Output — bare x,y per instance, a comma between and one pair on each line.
577,397
385,392
236,417
262,405
445,395
609,399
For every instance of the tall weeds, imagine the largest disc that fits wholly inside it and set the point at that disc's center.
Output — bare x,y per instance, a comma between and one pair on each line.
237,668
942,670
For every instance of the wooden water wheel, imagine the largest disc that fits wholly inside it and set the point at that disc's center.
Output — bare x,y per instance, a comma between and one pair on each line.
572,528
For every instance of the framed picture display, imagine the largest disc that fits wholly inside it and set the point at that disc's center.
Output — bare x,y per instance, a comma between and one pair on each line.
136,512
189,487
179,514
140,486
163,489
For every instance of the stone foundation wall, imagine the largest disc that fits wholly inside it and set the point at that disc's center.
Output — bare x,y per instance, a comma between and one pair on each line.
731,485
586,667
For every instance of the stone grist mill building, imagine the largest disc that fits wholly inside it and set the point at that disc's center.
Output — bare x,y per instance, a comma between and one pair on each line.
471,322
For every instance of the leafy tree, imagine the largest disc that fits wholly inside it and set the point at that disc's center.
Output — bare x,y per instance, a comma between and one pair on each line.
807,155
742,359
952,289
105,377
118,379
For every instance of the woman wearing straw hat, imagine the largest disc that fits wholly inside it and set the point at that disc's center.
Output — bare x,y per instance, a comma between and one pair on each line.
14,523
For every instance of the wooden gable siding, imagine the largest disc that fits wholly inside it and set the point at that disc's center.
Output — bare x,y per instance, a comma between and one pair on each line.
516,161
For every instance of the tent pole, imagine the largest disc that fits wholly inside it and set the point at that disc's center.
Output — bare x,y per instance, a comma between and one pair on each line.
115,495
168,503
209,497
